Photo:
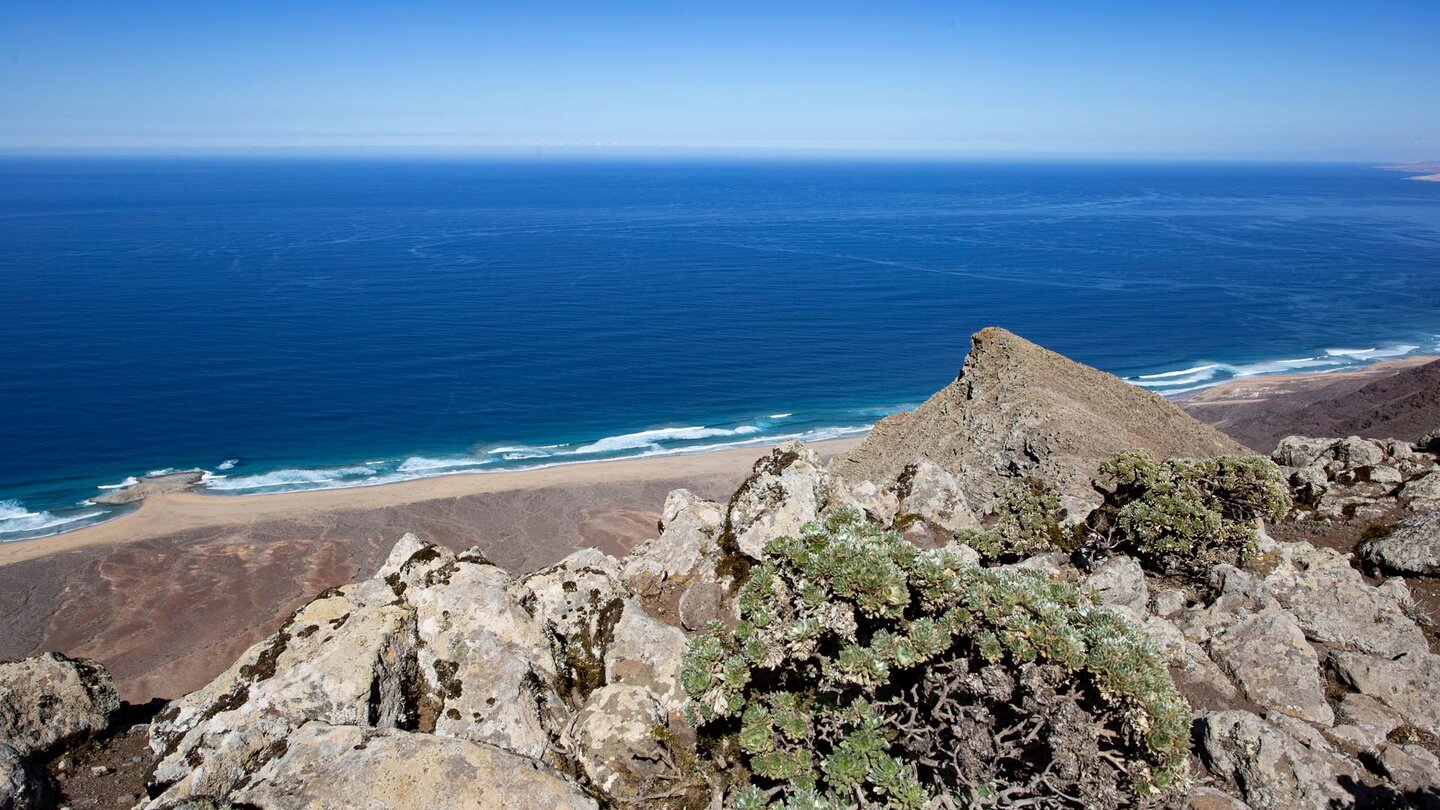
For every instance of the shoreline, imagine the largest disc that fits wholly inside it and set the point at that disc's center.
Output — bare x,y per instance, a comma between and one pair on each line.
1201,401
1262,387
180,511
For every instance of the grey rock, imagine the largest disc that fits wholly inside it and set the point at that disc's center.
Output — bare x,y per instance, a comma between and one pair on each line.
22,786
614,740
485,662
1197,676
1380,474
702,603
1407,683
1309,484
646,653
685,551
1366,722
1412,548
1430,442
1270,769
1335,606
1411,767
1354,452
1168,602
1424,489
49,700
881,504
578,601
1268,656
931,504
1204,797
1120,581
329,767
1300,451
348,657
786,490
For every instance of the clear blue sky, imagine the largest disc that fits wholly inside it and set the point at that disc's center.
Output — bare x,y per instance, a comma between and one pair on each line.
1301,80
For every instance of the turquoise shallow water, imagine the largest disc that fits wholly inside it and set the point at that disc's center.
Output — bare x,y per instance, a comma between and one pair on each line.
288,323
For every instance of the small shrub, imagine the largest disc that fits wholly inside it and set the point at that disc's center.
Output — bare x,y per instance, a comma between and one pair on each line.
1184,516
867,672
1027,523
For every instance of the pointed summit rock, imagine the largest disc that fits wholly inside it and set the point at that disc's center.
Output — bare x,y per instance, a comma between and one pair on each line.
1019,410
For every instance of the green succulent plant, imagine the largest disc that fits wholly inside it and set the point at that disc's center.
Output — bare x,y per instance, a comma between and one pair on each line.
867,672
1027,522
1184,516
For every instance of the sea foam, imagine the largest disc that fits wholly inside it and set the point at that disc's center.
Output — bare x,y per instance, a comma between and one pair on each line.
19,521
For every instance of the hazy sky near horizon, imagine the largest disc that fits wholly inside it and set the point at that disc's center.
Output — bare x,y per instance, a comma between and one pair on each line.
1266,80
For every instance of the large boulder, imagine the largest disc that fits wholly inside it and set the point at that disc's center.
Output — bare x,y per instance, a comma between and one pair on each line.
1406,683
485,660
614,737
1018,410
1412,548
49,700
347,658
579,601
786,489
646,652
329,767
1120,581
1334,605
932,507
1268,656
685,551
1271,769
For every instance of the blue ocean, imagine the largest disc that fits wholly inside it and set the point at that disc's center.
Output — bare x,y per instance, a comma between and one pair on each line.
287,323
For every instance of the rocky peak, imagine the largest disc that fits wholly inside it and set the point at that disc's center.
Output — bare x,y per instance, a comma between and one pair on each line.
1019,410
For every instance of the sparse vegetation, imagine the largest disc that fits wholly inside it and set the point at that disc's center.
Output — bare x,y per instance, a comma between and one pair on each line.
866,672
1027,522
1184,516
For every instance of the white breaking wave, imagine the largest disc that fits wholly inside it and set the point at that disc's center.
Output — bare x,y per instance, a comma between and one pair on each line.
1170,378
1370,354
128,482
16,519
1203,376
308,479
522,452
650,439
423,463
779,415
228,464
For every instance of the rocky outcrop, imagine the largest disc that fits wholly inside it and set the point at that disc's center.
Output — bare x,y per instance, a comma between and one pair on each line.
930,505
787,489
1354,477
1271,769
444,663
329,767
1018,410
1412,548
48,700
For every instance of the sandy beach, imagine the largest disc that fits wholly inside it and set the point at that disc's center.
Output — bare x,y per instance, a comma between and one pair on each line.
169,594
